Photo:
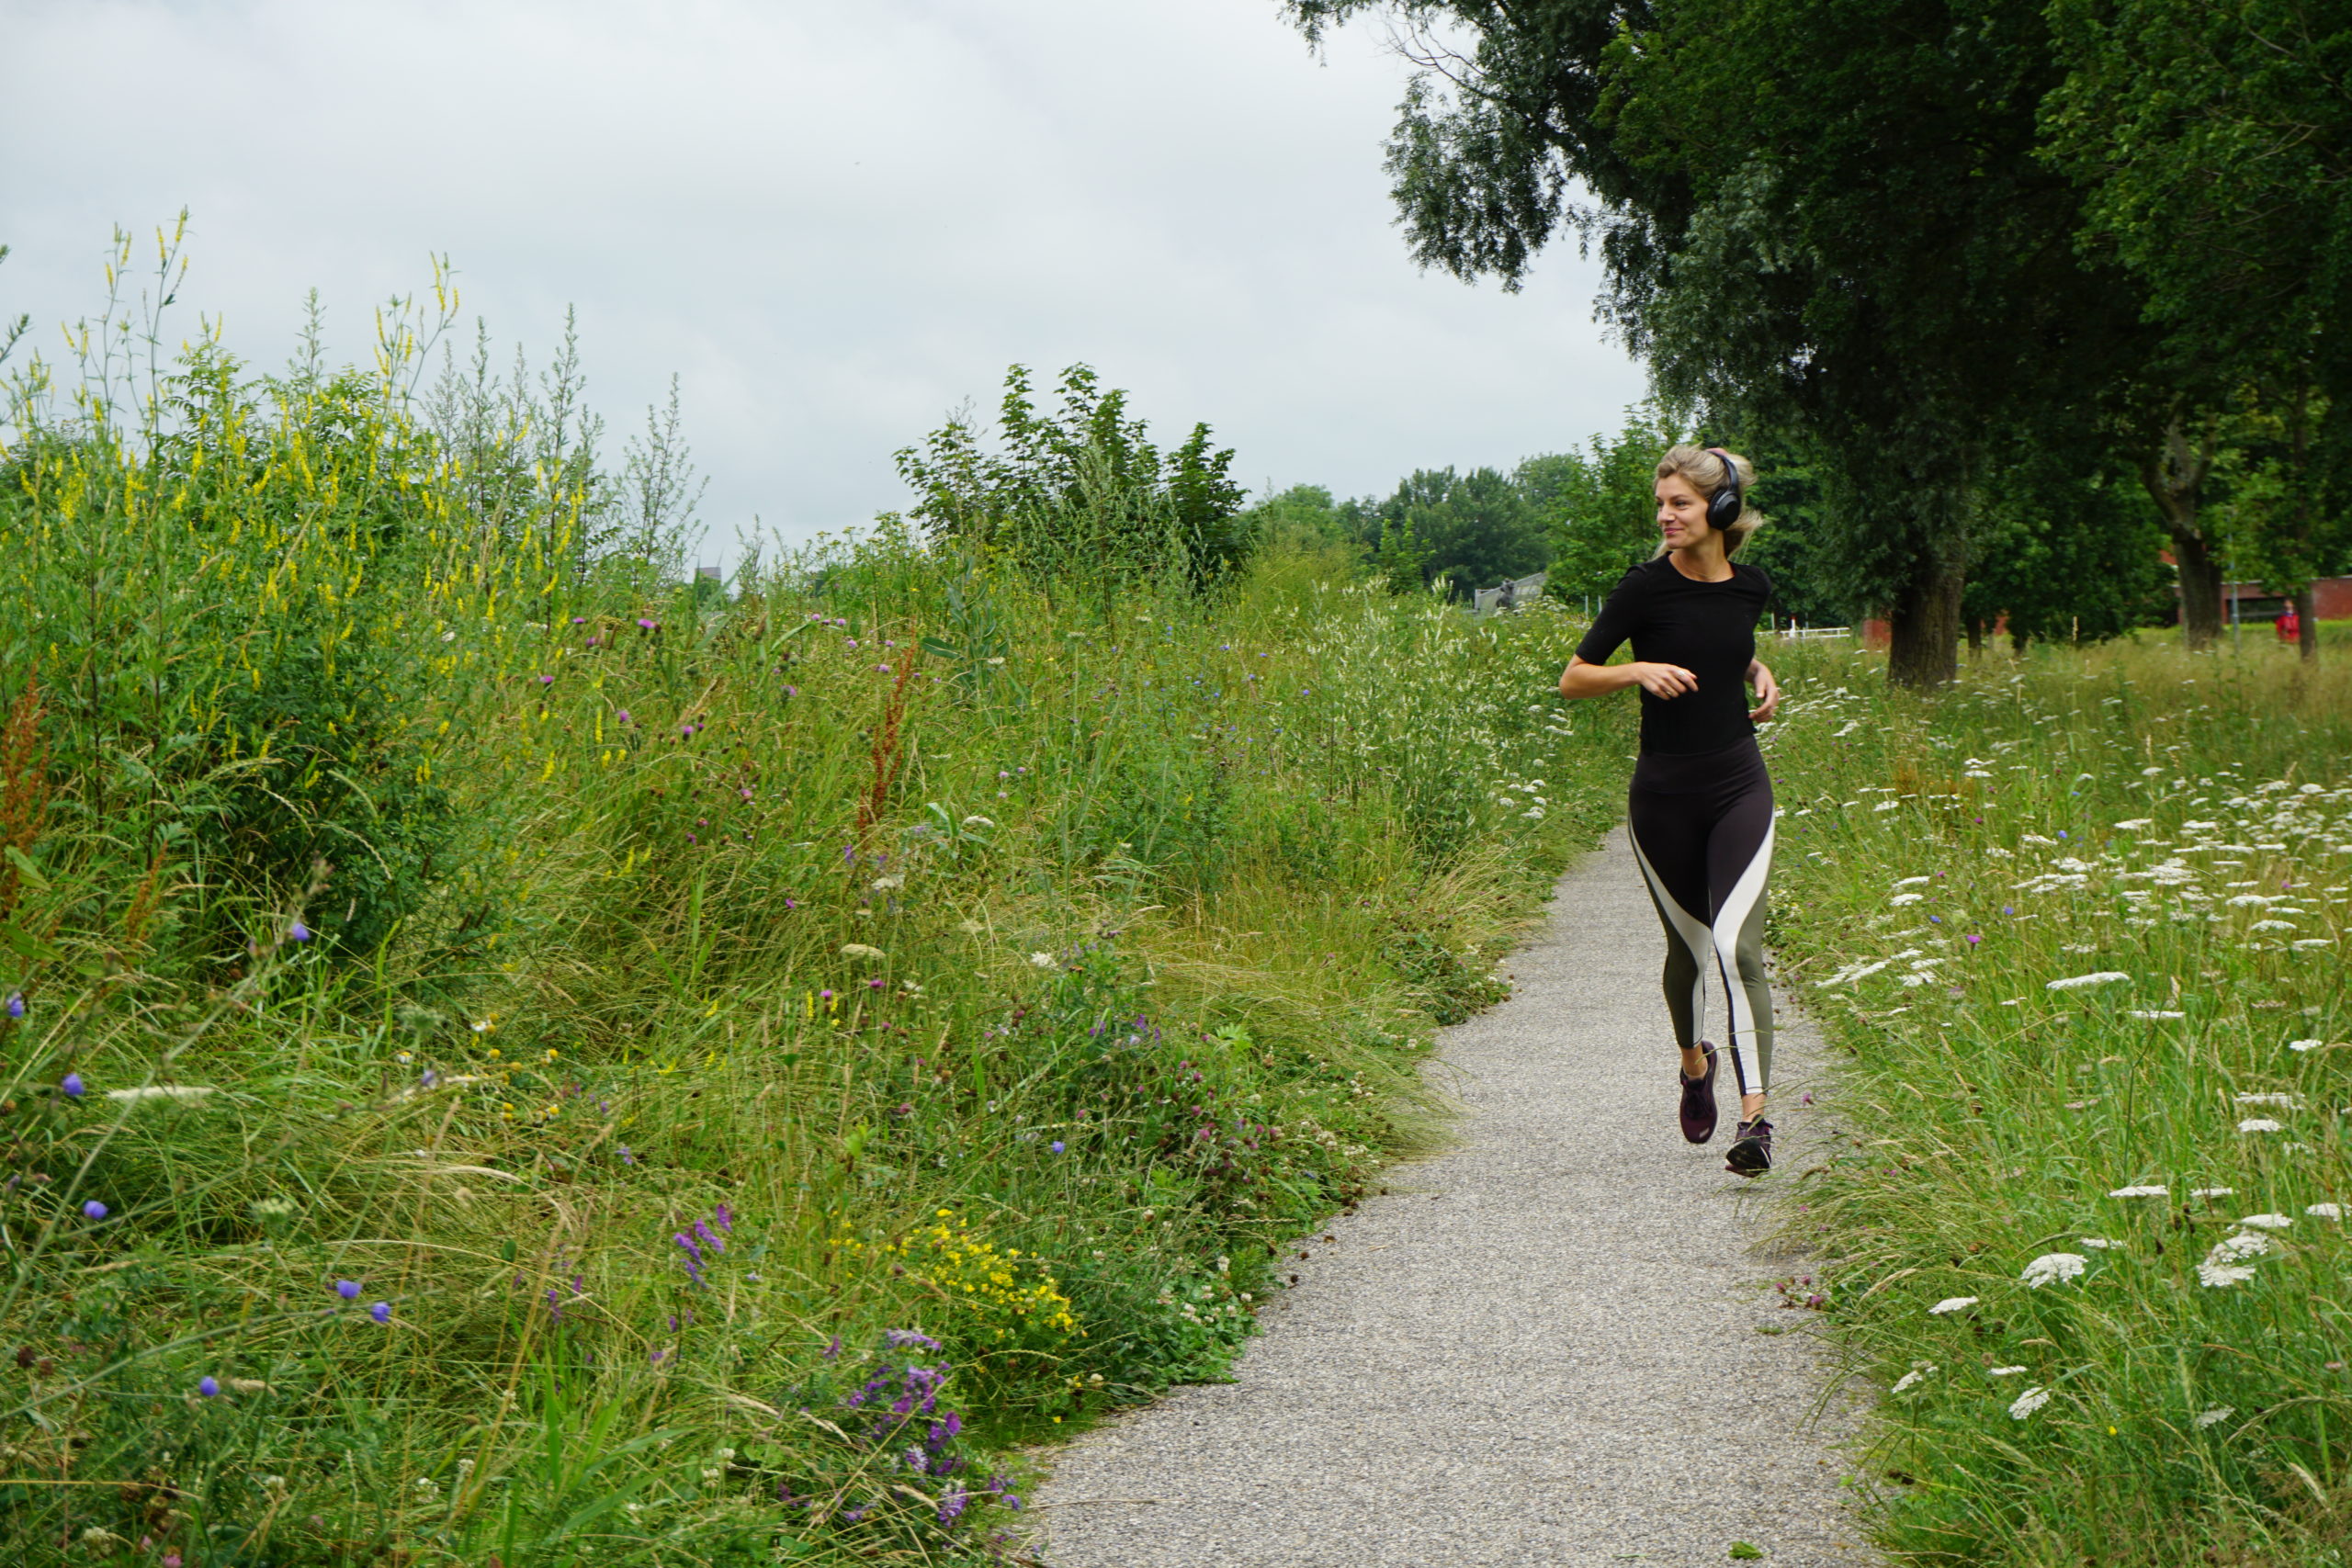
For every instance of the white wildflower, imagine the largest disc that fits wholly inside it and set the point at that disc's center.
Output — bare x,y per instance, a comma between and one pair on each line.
2213,1191
2222,1276
886,883
2237,1247
2029,1402
1886,806
2272,926
2004,1371
1951,1303
2153,1015
2251,900
2268,1222
2053,1267
2311,943
2260,1124
2324,1211
2215,1416
2146,1191
2083,982
2135,824
1916,1374
1912,882
2286,1101
1042,960
185,1093
2303,1044
1901,898
2101,1243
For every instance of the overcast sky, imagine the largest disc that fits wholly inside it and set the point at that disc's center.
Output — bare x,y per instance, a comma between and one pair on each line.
832,219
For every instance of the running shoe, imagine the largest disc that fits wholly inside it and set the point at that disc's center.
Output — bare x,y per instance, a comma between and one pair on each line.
1699,1100
1751,1151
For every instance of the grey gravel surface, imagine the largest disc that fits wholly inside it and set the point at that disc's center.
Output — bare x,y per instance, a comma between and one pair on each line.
1542,1347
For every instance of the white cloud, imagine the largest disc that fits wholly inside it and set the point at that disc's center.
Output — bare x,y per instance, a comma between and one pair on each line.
834,223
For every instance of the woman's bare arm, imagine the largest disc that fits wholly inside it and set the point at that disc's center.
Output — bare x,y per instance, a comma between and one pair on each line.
1662,680
1768,690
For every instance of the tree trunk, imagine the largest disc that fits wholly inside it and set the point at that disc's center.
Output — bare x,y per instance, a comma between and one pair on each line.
1975,638
1923,651
2307,628
2175,477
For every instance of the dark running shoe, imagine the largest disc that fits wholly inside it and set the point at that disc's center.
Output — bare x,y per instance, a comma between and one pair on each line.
1751,1151
1699,1100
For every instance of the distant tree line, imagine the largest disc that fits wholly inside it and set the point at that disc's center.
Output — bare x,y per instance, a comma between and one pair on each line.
2026,289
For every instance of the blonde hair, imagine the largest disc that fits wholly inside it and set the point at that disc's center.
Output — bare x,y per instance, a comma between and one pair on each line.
1703,467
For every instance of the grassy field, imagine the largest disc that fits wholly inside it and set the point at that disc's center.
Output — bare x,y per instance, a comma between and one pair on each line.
507,1059
2081,923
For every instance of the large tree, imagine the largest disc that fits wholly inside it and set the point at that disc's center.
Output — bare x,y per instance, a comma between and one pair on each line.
1826,219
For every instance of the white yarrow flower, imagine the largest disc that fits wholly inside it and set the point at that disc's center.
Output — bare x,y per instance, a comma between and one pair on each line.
2238,1247
2284,1101
2220,1276
2083,982
2003,1372
2268,1222
2102,1243
1042,960
1910,1377
1951,1303
2152,1014
2135,824
2029,1402
2324,1211
2219,1413
2213,1191
977,821
860,950
2152,1190
2053,1267
2303,1044
2260,1124
1905,898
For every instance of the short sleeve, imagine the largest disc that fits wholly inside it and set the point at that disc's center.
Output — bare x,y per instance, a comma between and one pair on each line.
1771,593
1619,614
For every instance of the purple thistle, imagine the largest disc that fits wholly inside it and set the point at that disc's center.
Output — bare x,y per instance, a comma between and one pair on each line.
623,717
547,680
645,625
382,1311
93,1210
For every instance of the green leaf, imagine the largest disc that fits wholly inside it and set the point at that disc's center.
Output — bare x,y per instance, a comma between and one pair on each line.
27,869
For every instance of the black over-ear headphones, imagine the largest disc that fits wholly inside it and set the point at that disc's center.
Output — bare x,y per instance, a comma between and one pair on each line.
1724,507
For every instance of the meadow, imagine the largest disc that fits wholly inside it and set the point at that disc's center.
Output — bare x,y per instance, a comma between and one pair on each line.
511,1059
2080,924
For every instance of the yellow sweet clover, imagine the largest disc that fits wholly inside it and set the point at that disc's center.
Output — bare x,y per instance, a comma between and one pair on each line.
1015,1296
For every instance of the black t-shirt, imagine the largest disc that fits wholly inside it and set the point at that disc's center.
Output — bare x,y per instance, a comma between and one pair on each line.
1709,628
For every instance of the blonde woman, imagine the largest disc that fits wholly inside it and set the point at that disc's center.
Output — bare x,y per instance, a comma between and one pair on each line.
1701,806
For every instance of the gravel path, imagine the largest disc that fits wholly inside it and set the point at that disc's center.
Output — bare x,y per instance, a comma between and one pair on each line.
1542,1347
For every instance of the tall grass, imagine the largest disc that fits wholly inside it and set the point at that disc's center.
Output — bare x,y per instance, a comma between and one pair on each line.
507,1055
2081,923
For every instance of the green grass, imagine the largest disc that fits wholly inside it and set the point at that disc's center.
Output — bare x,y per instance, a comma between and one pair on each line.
970,959
2183,823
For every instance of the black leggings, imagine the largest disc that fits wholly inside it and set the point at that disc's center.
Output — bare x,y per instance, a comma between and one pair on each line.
1702,831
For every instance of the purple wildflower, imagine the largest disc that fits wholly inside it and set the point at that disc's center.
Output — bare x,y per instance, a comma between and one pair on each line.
298,932
1974,939
431,1077
723,1217
209,1386
93,1210
951,1505
687,1242
16,1004
906,1338
627,1158
832,1349
547,680
1055,1145
658,1355
623,717
347,1289
382,1311
645,625
703,1233
73,1085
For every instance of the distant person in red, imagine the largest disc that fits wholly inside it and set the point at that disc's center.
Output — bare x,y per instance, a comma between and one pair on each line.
2290,627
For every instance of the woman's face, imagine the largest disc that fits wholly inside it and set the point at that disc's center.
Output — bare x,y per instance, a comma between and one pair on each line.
1681,513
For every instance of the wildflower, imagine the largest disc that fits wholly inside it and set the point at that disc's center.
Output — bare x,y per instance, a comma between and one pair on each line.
2053,1267
347,1289
2148,1191
1951,1304
2213,1191
73,1085
2324,1211
623,717
2004,1371
484,1025
2083,982
1042,960
2303,1044
382,1311
645,625
2268,1222
16,1004
209,1386
860,950
1974,939
2029,1402
2101,1243
1916,1374
298,932
2152,1014
1905,898
2286,1101
977,821
2260,1124
93,1210
2215,1416
1057,1145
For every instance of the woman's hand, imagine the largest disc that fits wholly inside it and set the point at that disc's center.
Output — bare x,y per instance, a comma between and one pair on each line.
1663,681
1767,689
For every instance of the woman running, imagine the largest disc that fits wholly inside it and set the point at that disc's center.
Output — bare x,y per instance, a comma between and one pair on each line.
1701,809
